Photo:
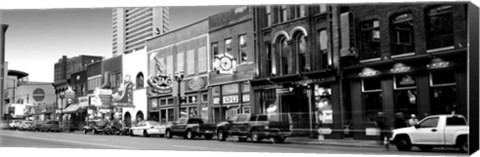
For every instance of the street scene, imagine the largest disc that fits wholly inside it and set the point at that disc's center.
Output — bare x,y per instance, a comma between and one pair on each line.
369,78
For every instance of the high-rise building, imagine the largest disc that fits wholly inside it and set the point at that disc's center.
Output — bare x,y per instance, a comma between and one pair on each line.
131,27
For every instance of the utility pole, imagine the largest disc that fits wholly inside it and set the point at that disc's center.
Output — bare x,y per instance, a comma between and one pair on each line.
3,29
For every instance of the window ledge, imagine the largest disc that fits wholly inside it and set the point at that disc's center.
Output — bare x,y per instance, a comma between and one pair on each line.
440,49
403,55
370,60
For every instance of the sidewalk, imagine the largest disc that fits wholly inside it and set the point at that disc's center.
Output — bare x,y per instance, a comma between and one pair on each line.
334,142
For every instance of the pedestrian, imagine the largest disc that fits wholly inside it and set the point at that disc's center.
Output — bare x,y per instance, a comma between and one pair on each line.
380,121
413,120
399,120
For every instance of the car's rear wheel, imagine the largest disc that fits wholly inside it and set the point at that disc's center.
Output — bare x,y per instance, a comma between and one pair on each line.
463,144
403,144
255,136
94,132
425,148
168,134
221,135
190,134
145,133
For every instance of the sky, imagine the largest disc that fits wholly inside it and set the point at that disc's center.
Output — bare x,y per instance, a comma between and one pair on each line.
37,38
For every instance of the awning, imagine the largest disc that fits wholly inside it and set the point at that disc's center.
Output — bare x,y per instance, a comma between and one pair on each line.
73,108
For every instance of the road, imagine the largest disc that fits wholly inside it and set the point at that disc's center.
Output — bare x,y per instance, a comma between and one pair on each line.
77,140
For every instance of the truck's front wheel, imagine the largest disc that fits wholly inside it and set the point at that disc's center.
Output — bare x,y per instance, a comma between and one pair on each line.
403,144
221,135
190,134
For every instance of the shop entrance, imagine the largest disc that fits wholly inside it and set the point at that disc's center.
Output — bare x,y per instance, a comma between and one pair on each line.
128,119
297,105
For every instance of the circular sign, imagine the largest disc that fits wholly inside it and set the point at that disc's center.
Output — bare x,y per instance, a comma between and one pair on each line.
38,94
196,83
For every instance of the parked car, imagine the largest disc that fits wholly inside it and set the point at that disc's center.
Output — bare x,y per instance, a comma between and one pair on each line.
4,125
26,124
36,126
97,126
14,124
50,126
189,128
147,128
256,127
433,131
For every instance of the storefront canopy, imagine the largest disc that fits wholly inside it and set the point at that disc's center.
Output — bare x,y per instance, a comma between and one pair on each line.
74,108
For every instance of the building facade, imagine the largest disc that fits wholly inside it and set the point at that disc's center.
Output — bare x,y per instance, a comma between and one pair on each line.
63,71
406,58
184,52
135,68
296,67
37,100
231,38
131,27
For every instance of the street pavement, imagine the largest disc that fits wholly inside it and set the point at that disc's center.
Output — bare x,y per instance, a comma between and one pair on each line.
75,140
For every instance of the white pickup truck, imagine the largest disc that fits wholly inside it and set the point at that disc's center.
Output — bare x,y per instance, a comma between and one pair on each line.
433,131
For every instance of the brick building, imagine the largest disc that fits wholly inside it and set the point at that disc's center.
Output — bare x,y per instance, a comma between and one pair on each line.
232,55
408,58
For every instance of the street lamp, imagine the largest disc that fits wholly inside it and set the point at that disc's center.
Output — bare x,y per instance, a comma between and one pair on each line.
179,78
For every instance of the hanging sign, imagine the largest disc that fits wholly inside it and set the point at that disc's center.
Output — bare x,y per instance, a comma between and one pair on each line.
400,68
368,72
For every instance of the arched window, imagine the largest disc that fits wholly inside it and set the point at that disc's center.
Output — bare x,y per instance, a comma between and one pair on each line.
139,80
300,49
285,56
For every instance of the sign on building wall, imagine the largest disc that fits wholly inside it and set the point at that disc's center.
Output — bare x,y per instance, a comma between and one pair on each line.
196,83
160,82
124,95
225,63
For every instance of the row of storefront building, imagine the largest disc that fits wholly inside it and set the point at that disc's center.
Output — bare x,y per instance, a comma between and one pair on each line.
329,66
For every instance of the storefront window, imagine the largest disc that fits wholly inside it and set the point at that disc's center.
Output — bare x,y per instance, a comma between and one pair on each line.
153,103
443,99
204,97
192,112
405,94
163,116
373,105
216,90
192,99
323,104
371,85
170,101
370,40
170,115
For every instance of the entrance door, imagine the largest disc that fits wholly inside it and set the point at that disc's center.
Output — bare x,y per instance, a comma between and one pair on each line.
128,119
297,106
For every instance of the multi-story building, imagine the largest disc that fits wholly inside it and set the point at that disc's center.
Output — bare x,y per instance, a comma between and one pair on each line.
180,52
231,40
296,67
131,27
63,71
403,58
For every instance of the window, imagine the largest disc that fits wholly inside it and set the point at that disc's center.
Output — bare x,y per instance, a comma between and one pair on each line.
193,112
440,27
216,90
204,97
242,42
298,11
245,87
283,14
285,57
139,80
170,101
163,102
215,49
180,60
371,85
170,65
370,40
192,99
404,82
456,121
326,56
268,15
253,118
153,103
442,78
228,46
202,59
403,34
300,48
170,115
323,8
230,89
372,104
429,123
270,67
190,62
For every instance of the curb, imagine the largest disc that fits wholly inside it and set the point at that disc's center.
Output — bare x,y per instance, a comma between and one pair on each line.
336,144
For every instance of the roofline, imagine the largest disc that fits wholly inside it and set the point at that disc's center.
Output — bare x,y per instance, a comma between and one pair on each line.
178,29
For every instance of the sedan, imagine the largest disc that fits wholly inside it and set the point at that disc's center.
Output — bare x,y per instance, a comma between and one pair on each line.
147,128
25,125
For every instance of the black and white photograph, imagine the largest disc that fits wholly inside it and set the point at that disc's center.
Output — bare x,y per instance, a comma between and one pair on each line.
231,79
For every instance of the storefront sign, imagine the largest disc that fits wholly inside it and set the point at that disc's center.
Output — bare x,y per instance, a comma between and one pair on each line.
437,65
124,95
225,63
372,131
407,80
196,83
161,82
246,98
400,68
230,99
325,131
368,72
216,100
83,101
